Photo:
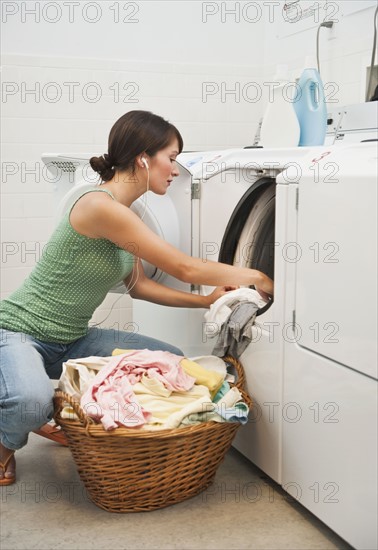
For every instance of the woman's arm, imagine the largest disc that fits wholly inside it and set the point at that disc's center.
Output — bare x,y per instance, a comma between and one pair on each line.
143,288
100,216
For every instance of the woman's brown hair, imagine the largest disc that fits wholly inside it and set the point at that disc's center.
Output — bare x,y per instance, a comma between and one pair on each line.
134,133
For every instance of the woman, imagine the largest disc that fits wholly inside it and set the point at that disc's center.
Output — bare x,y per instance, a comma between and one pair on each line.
98,243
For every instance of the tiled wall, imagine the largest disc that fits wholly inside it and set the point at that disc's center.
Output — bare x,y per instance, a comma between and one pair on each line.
68,105
345,50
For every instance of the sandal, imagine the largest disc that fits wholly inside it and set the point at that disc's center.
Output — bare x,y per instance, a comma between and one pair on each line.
7,480
54,433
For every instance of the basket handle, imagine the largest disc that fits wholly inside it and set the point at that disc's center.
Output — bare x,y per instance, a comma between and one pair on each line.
60,398
240,382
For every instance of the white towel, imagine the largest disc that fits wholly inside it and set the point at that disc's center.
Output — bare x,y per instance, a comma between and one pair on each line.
219,311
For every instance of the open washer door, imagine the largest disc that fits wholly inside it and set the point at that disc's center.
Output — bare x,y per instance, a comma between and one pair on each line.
71,176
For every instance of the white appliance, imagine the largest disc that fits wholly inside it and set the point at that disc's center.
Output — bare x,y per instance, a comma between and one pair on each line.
328,406
233,219
351,123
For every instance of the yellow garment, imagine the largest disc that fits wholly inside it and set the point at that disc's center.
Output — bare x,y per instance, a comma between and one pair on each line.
119,351
211,379
155,386
168,410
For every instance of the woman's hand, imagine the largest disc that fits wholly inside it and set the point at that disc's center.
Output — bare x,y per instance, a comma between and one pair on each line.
218,292
265,287
264,295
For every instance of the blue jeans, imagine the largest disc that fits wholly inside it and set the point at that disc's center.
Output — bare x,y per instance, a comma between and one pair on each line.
27,364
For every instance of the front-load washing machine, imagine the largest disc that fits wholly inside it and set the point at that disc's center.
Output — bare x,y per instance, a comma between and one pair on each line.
233,220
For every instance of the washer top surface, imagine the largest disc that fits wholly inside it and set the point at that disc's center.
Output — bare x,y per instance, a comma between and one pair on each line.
321,164
205,165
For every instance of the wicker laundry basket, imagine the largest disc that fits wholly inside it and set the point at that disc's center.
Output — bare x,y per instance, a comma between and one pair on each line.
133,471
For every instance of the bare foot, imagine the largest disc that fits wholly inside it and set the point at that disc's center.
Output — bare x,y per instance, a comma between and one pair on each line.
7,466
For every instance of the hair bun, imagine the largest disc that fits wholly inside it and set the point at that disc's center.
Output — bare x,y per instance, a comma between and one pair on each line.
108,160
103,166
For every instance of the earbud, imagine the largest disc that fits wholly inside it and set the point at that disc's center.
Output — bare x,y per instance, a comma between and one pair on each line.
145,162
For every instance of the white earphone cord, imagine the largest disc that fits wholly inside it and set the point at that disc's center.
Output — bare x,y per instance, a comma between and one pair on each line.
132,284
147,189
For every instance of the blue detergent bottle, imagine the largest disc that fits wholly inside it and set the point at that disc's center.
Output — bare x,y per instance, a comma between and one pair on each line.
310,106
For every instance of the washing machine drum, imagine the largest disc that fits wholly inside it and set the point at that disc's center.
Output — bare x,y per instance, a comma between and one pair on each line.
164,224
249,237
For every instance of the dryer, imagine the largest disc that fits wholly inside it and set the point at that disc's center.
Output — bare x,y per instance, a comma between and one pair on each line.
329,399
351,123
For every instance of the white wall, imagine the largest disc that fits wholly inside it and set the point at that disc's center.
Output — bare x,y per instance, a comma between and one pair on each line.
183,31
200,64
64,84
344,51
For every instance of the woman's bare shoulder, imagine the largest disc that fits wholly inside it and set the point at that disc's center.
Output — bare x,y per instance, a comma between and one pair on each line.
87,210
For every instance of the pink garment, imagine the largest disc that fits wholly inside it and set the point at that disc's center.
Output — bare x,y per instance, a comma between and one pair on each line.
111,399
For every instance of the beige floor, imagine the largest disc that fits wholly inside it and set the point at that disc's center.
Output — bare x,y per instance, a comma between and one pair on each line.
47,509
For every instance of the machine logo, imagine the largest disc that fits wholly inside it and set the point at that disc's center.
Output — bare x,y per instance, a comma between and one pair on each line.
318,159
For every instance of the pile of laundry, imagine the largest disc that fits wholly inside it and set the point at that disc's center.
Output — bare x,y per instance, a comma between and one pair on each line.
152,390
231,318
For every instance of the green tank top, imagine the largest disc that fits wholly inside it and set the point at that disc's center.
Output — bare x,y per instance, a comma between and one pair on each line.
71,279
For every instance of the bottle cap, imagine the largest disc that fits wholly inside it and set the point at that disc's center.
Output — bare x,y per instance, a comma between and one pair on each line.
310,62
282,73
